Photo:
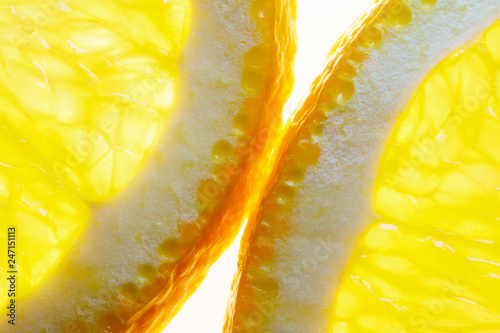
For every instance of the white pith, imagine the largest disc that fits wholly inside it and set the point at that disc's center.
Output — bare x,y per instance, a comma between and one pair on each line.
334,202
126,231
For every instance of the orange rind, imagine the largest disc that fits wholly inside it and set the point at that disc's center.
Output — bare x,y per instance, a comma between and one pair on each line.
362,230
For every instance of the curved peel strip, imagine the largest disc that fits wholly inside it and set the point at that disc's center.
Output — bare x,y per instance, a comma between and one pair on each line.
247,192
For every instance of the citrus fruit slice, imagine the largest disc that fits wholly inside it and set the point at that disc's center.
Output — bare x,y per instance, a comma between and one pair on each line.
128,130
367,231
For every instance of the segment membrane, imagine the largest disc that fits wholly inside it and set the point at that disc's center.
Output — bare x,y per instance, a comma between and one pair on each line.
46,217
88,84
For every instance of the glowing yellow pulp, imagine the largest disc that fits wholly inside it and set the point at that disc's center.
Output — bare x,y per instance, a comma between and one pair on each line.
431,262
85,86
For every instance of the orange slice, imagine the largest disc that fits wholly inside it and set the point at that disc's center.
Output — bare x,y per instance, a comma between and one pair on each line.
128,130
367,231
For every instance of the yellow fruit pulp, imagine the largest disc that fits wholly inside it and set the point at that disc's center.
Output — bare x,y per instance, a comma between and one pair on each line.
85,88
431,261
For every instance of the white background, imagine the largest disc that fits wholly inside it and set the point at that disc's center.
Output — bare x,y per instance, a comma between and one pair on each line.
319,24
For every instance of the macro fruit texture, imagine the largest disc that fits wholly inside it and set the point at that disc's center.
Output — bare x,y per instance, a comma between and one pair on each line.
382,215
128,132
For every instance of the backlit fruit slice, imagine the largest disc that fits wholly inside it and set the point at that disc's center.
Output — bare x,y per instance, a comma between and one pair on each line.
128,130
421,203
69,107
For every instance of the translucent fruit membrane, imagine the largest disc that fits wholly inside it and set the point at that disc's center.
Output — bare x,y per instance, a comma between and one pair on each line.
431,261
84,88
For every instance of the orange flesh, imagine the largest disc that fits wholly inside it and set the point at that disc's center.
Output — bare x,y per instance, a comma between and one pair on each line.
431,263
81,107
